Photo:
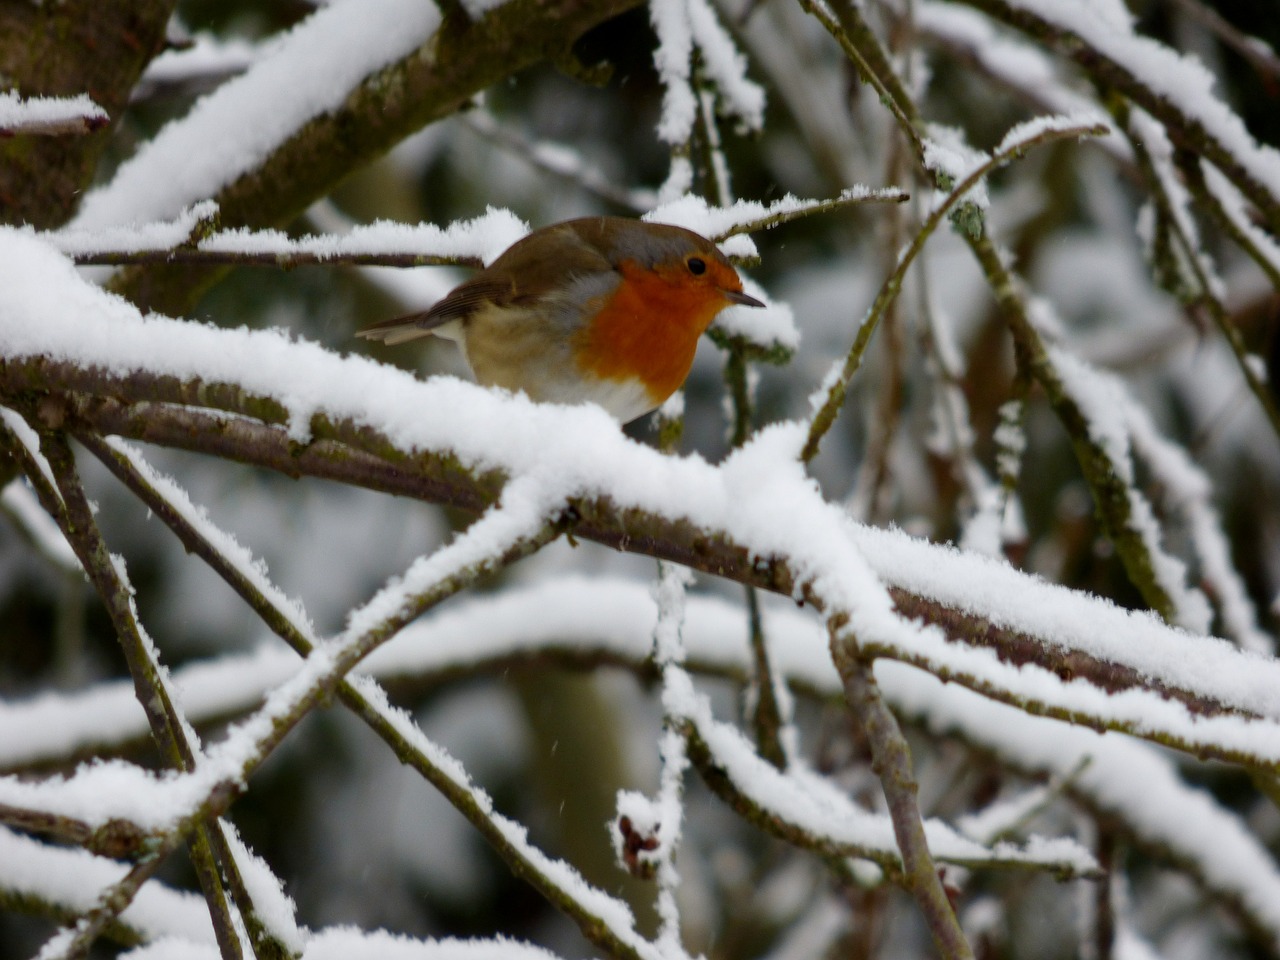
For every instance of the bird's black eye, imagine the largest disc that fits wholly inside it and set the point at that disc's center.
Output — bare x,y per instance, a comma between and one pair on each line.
697,266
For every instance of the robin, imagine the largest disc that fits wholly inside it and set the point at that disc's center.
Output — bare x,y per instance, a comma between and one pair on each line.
604,309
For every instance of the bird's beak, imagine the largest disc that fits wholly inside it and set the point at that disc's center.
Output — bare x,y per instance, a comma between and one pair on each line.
744,299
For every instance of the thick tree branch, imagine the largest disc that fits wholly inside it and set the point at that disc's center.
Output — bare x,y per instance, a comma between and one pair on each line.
99,47
462,59
150,409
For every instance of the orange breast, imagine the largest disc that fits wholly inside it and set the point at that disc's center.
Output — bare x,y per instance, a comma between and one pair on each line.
648,330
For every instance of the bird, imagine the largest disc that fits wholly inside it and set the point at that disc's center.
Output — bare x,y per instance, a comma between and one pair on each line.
606,310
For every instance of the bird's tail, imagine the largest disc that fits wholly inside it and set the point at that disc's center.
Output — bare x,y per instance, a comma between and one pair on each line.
398,329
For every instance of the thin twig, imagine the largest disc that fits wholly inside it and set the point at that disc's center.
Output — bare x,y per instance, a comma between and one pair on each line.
766,717
71,509
824,416
1194,175
284,258
1111,495
368,708
891,760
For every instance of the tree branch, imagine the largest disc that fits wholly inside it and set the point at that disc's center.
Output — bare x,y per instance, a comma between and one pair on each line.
462,59
891,761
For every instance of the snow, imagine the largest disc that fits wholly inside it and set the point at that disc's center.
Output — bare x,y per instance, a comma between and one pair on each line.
1106,406
722,222
73,879
272,905
1018,64
78,114
1117,775
802,799
842,563
338,943
1155,141
1179,78
1188,494
349,943
725,66
670,20
207,55
1022,133
947,153
308,72
484,238
619,616
20,502
158,235
1235,208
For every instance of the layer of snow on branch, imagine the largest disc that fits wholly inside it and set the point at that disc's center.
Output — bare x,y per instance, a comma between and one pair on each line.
1237,210
1188,493
1118,775
308,72
1107,26
946,152
1106,403
485,237
350,943
609,911
727,224
804,799
726,66
23,507
134,237
74,879
207,56
1070,620
48,310
671,59
1028,130
49,113
1016,63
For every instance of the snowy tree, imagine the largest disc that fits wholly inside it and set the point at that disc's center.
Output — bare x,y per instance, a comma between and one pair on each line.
936,616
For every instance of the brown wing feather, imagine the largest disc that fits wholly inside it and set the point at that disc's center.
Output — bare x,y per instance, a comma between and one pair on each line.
541,264
458,305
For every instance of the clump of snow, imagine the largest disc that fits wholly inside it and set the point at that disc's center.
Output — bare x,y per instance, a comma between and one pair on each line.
947,153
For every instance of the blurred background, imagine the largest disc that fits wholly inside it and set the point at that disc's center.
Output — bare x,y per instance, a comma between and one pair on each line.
554,746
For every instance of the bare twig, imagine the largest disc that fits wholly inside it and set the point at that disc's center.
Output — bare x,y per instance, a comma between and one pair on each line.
891,760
